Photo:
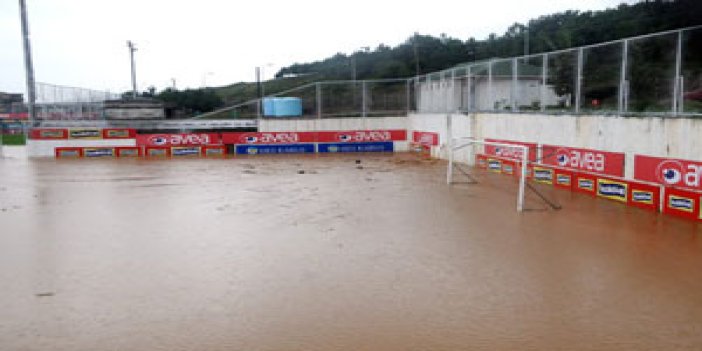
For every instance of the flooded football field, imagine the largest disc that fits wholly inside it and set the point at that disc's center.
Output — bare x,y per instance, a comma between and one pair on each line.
339,252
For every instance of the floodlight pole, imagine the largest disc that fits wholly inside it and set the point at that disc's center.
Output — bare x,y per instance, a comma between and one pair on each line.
132,48
29,69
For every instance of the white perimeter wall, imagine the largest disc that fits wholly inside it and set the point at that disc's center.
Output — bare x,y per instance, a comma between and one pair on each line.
45,148
664,137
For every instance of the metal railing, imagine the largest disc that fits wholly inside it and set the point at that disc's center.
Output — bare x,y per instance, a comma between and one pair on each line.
654,74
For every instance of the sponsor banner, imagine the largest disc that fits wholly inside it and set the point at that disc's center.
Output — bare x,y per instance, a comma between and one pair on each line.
682,203
361,136
564,179
613,189
214,150
481,160
585,183
21,115
157,151
511,153
595,161
87,133
510,167
99,152
185,151
275,149
543,175
128,151
356,147
192,139
494,165
425,138
668,171
269,138
114,133
645,196
68,152
48,134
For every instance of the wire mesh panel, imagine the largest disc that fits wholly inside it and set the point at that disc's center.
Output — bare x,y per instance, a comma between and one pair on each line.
57,102
530,84
342,99
561,79
601,75
478,88
386,98
650,76
502,88
691,72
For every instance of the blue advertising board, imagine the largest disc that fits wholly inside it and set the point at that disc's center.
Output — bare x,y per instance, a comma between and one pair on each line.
385,146
275,149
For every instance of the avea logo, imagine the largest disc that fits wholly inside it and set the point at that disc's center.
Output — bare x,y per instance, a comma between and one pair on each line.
508,152
672,172
271,138
179,139
158,140
426,139
587,160
364,136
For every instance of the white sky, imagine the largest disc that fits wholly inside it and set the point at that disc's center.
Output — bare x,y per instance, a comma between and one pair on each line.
217,42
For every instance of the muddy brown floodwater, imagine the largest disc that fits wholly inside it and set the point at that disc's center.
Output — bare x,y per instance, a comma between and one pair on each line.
321,253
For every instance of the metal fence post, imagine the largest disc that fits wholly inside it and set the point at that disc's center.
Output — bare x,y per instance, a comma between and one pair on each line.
544,74
513,96
677,88
491,102
318,89
578,80
364,108
622,78
469,88
407,96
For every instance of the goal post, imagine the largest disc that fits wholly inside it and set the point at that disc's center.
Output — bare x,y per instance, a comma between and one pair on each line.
457,144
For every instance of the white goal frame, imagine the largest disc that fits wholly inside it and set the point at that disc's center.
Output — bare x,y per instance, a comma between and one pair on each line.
455,144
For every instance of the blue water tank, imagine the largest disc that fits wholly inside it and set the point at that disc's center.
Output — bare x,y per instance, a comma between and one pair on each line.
282,107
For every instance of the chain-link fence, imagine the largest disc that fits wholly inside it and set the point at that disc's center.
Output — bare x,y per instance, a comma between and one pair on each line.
656,74
55,102
332,99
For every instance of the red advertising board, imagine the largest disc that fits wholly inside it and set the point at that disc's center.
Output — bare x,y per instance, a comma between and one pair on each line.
21,115
269,138
595,161
511,153
360,136
48,133
564,178
585,183
118,133
192,139
682,203
668,171
643,195
425,138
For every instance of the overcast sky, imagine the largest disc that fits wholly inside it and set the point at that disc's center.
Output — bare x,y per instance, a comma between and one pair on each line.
216,42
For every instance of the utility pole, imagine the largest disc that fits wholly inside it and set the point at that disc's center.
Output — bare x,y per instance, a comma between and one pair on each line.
259,91
28,67
526,40
416,59
132,48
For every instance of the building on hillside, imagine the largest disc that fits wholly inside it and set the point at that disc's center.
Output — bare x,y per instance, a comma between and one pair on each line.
482,89
11,103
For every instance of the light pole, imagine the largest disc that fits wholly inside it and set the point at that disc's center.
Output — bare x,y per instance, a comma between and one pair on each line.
29,68
132,48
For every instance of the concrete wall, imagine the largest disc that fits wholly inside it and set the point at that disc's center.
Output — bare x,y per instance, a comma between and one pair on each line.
664,137
45,148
